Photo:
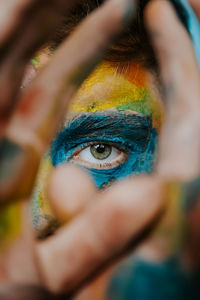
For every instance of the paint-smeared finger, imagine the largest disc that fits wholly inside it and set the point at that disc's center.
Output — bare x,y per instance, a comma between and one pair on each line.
25,26
70,190
179,143
43,106
101,234
196,6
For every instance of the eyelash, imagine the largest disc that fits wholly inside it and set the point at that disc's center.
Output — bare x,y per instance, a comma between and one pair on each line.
75,157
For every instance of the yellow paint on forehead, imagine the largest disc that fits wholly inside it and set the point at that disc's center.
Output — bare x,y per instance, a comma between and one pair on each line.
107,87
118,86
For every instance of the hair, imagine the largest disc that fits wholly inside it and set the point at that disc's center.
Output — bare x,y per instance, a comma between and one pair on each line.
132,45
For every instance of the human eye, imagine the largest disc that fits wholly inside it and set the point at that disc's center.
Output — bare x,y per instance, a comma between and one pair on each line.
99,155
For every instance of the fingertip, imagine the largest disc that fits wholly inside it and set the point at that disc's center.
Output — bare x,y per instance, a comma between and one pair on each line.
164,26
156,12
70,190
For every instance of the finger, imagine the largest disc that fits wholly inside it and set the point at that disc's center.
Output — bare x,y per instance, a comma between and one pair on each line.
24,292
17,259
196,6
43,106
191,204
25,26
70,190
10,16
179,143
110,226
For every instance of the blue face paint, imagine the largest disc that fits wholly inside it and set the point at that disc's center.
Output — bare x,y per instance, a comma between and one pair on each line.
133,133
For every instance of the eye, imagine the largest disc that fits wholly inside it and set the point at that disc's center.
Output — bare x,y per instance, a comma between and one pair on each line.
99,156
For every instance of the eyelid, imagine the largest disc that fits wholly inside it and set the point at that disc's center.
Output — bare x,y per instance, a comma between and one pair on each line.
96,142
120,143
100,165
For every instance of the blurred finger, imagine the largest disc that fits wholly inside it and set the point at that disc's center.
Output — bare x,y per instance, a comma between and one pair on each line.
17,263
25,26
24,292
179,143
70,190
100,234
43,106
191,205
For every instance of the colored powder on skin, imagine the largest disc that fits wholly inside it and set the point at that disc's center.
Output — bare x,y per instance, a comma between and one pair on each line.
135,164
135,135
122,89
110,87
10,223
36,61
42,205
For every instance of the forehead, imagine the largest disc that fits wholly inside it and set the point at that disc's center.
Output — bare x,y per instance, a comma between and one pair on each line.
118,87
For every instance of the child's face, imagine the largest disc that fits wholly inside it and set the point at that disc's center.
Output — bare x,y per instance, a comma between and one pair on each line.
111,129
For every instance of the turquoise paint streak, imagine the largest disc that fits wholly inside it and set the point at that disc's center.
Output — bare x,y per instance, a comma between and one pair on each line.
134,134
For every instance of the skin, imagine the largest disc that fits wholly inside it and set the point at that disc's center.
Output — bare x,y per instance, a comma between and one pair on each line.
111,87
93,222
129,88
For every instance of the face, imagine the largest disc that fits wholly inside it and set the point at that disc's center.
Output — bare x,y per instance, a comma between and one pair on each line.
110,131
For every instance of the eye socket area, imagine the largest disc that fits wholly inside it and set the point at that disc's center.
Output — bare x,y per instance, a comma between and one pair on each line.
100,155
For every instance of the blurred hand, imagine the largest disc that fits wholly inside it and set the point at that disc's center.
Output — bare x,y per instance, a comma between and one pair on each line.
105,225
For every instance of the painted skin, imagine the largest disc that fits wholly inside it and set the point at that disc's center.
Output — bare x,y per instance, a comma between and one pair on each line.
115,112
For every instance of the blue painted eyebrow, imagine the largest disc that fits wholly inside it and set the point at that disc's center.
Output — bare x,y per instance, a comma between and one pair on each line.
125,129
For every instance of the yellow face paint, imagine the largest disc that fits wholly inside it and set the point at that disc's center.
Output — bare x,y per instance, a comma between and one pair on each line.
43,175
119,87
10,223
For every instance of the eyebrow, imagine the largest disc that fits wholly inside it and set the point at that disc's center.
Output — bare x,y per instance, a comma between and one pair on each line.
125,129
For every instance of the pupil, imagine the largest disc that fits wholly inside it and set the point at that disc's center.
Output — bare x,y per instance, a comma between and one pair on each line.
100,148
101,151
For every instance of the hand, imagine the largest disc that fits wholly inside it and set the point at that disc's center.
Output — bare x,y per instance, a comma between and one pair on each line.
121,209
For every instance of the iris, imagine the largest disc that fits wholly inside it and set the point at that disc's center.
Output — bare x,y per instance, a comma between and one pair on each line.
101,151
